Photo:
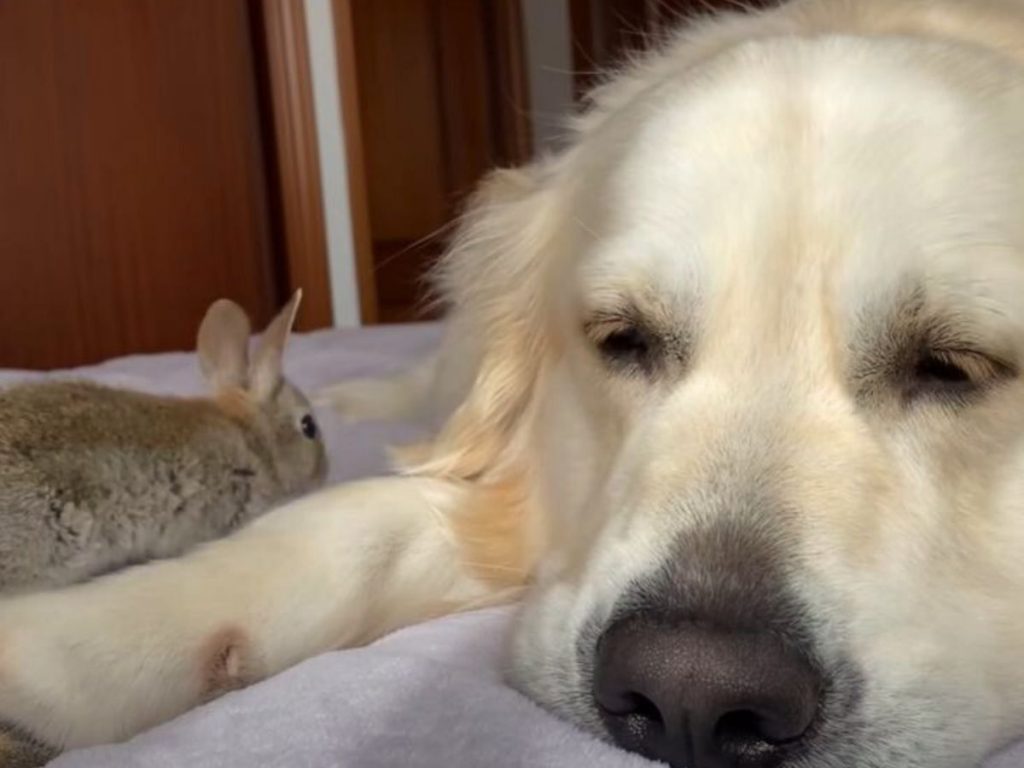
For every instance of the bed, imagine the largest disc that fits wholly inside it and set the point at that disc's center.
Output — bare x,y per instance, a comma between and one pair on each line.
430,695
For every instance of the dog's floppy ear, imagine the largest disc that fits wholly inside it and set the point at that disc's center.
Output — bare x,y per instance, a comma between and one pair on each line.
492,279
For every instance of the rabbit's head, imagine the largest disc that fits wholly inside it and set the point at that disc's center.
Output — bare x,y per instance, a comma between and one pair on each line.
254,388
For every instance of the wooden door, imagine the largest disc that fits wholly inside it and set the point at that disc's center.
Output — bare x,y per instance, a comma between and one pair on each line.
154,156
441,99
435,95
132,190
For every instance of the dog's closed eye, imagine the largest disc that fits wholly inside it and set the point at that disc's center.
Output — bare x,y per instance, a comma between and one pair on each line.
626,345
924,358
623,344
953,373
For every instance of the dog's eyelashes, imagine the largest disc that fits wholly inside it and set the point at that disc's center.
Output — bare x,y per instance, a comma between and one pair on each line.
628,342
626,346
935,370
953,372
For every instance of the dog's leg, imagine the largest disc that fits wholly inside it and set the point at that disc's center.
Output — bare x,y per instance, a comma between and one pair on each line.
104,660
402,396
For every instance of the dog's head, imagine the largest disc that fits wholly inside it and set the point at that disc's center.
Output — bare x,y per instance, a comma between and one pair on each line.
752,347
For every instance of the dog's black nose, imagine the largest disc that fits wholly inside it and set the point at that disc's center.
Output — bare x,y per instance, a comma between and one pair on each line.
695,696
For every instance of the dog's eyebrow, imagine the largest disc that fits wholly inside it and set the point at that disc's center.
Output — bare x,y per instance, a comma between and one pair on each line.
602,318
953,321
639,306
657,324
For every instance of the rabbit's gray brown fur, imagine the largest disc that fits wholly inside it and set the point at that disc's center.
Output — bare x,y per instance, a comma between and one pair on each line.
94,478
19,750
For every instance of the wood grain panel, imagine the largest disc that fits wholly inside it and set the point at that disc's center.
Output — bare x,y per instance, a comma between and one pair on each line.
510,83
467,134
442,100
132,190
399,103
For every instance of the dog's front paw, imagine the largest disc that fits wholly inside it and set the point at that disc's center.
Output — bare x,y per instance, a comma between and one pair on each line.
19,750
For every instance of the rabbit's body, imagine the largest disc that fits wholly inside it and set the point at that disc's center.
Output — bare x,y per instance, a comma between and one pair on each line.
94,478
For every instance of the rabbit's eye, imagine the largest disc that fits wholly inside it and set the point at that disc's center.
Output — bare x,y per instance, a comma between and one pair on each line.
308,427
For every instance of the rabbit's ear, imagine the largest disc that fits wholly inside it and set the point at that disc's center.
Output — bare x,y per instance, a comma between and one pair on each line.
265,372
223,345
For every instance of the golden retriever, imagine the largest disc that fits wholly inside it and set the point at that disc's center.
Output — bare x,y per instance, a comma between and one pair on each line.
730,387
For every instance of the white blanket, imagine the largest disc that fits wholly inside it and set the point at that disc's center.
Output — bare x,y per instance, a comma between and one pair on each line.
425,697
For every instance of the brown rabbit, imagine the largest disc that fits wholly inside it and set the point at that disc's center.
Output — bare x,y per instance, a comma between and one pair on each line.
94,478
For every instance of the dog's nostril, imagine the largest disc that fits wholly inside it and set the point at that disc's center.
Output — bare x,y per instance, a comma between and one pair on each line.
745,734
741,727
696,696
630,703
772,727
644,709
638,717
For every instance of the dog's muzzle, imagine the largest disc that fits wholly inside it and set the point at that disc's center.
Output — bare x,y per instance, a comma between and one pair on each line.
711,661
696,695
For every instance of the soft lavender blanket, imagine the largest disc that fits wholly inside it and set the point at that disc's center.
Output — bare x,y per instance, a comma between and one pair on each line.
427,696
